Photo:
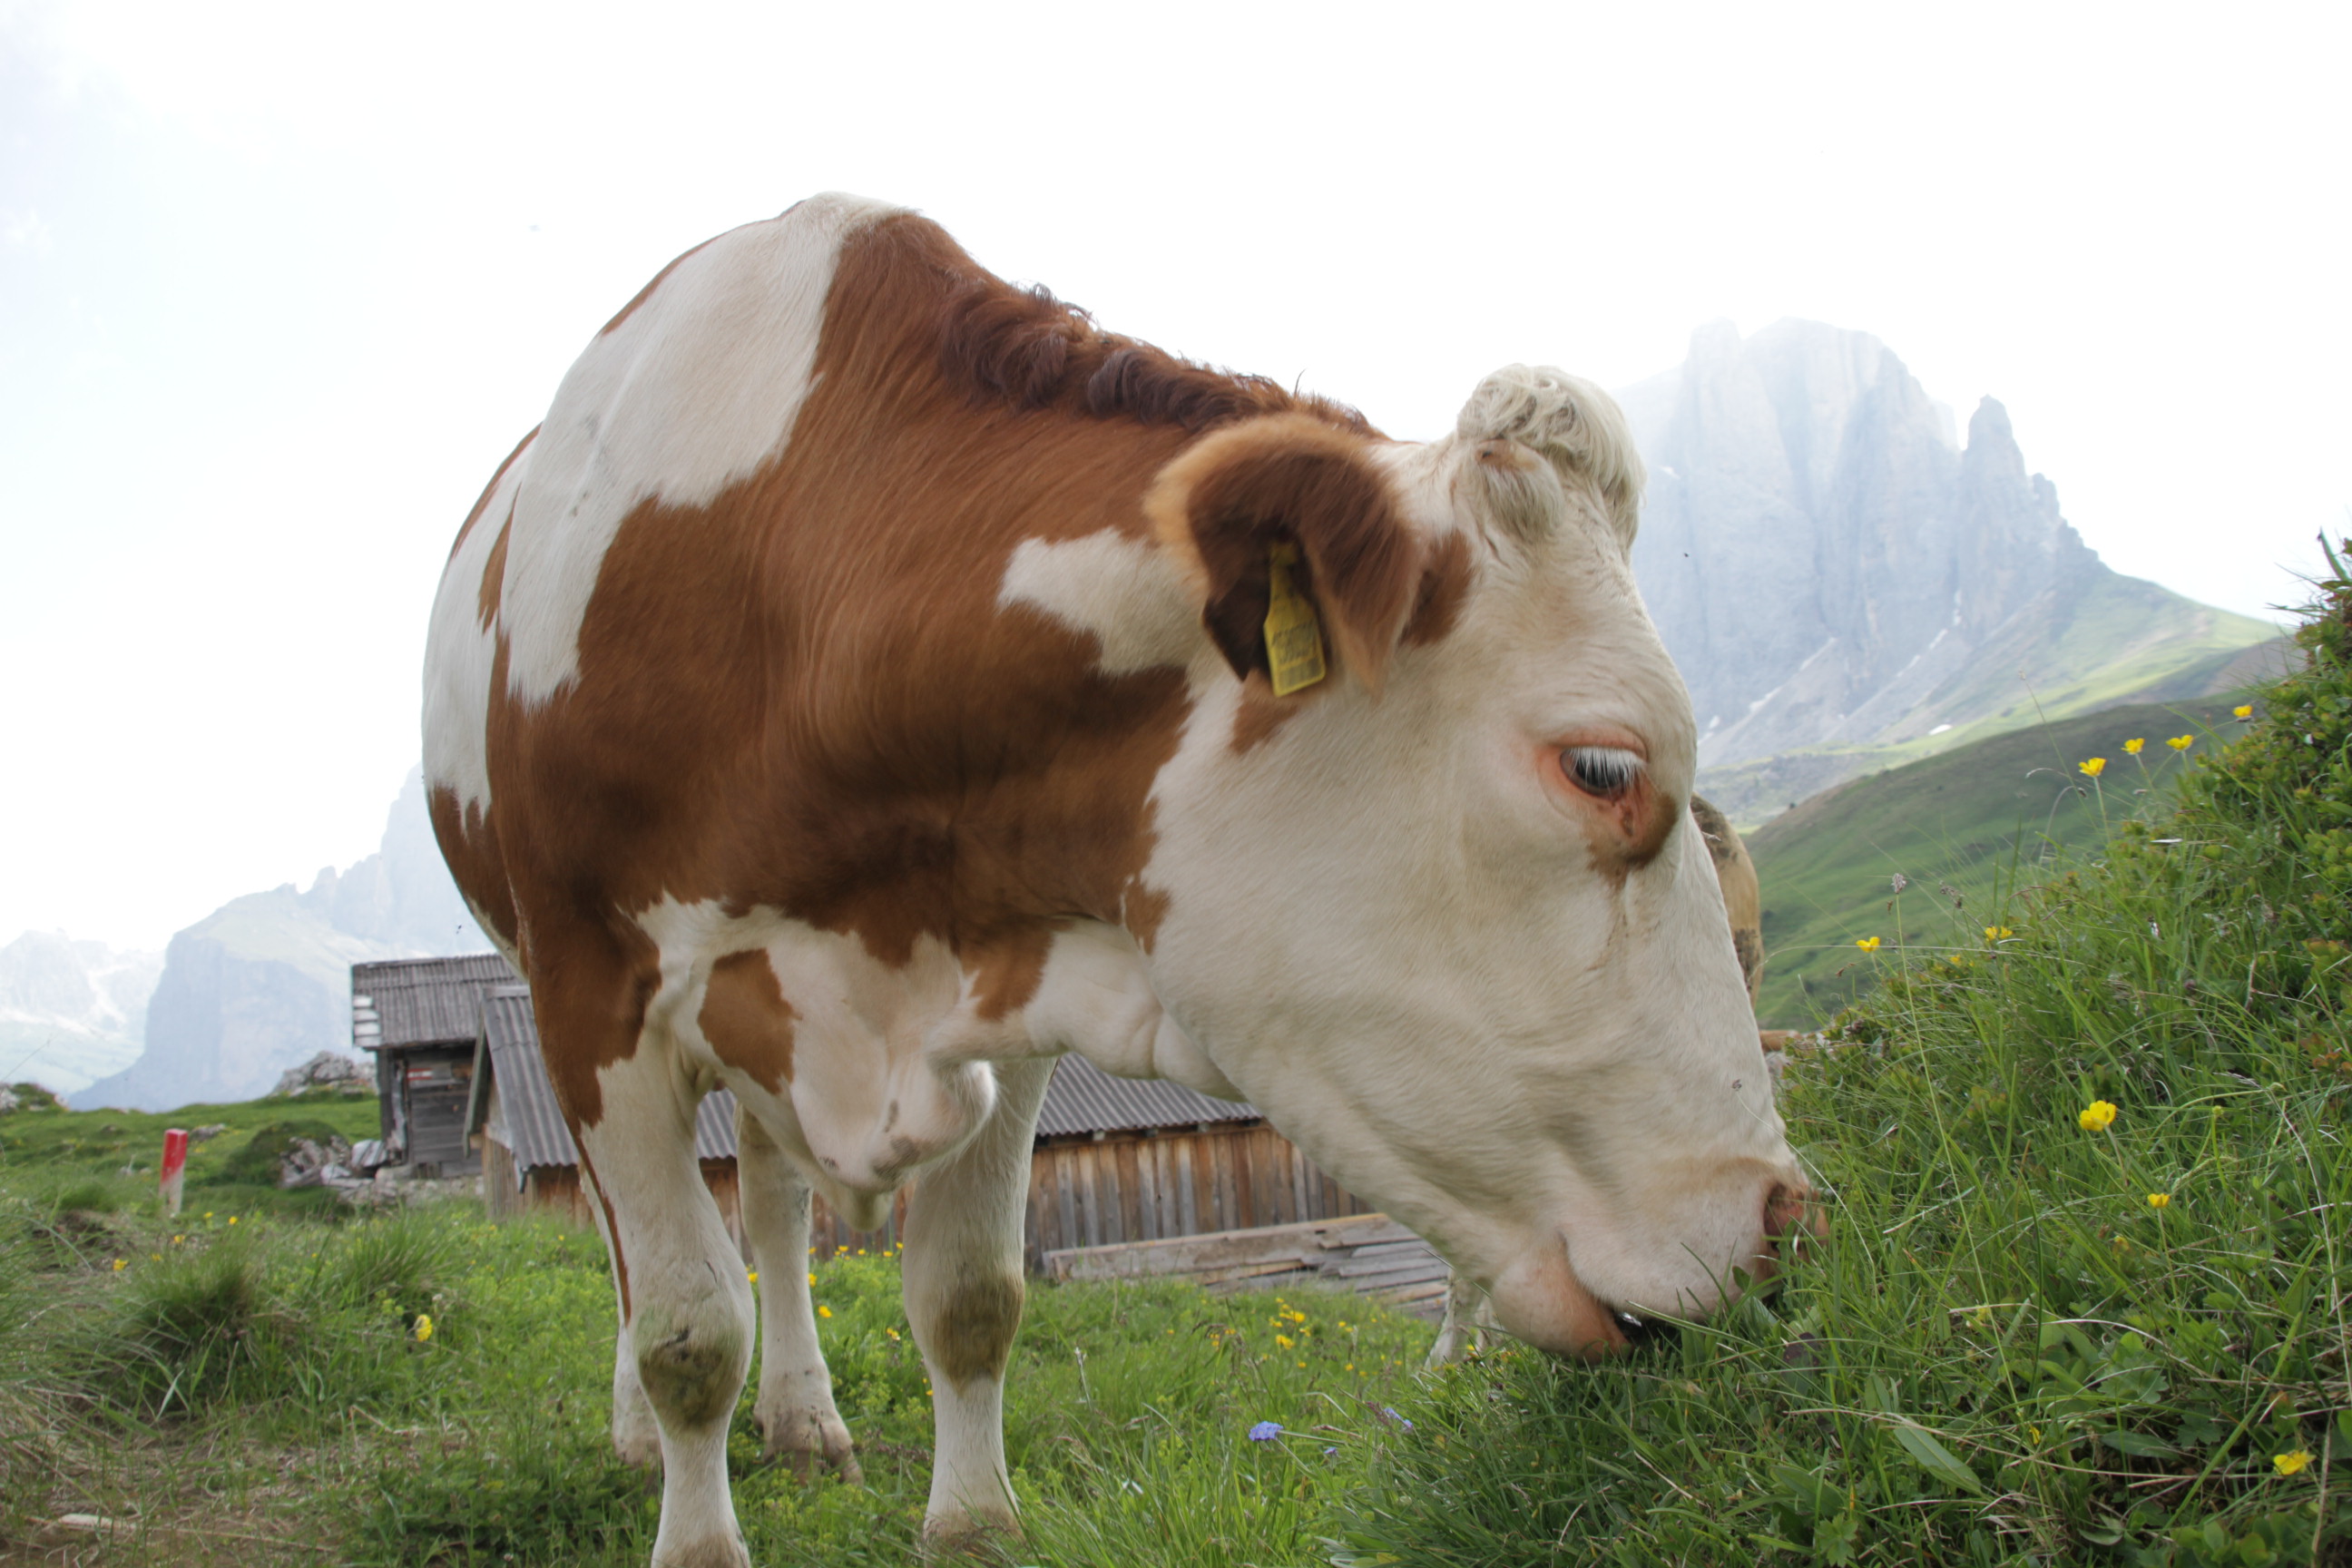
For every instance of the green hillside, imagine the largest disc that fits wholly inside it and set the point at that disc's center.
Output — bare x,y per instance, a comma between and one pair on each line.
2209,654
1964,828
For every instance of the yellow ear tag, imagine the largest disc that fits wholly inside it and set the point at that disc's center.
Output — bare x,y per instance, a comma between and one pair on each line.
1294,637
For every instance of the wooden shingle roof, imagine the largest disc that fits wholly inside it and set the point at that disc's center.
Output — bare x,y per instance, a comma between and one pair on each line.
405,1002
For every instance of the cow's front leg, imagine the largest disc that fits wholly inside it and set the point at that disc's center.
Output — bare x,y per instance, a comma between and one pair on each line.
797,1416
963,1291
686,1307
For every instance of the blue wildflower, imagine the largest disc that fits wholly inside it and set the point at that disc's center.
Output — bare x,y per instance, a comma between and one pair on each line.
1265,1432
1389,1411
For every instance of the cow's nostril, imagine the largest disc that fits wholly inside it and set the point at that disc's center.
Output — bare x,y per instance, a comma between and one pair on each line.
1791,1216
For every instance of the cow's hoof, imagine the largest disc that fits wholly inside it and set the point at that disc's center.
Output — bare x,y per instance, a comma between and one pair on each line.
638,1446
963,1537
713,1552
811,1442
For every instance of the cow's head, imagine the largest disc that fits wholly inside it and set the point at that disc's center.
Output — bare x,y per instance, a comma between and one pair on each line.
1444,913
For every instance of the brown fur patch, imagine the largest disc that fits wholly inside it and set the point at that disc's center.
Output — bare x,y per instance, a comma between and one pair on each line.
972,1337
1141,909
1008,971
1290,480
494,577
1026,348
746,1020
469,843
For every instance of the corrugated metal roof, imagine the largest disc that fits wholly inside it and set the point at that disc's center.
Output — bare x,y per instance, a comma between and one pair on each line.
1080,1098
534,1126
422,1001
1083,1098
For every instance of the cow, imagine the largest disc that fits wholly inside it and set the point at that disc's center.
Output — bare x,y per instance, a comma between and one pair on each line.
873,681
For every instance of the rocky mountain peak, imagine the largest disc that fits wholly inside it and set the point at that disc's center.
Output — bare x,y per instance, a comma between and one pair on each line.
1830,569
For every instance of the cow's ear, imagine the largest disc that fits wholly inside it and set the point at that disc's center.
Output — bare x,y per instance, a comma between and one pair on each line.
1288,516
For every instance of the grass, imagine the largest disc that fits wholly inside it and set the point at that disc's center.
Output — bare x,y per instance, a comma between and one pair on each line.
102,1161
269,1389
1964,830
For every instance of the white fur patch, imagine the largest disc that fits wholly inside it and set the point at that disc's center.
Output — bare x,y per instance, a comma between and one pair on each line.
696,389
1124,592
460,650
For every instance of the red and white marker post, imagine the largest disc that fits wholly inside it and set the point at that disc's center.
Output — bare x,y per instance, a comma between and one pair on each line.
176,1168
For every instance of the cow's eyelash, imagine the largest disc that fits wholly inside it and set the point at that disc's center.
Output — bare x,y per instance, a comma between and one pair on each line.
1603,771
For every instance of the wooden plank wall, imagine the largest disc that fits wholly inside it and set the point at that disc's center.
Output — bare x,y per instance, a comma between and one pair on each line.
1102,1192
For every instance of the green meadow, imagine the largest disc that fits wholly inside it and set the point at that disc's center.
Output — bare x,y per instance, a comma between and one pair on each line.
1964,830
2081,1297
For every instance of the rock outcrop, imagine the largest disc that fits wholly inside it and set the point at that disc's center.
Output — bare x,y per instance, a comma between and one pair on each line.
1832,571
330,1071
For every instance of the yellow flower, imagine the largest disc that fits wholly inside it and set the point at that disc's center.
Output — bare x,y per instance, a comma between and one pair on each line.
2181,742
752,1275
825,1311
119,1265
1997,934
812,1279
2097,1116
423,1326
2160,1200
2293,1463
232,1219
1867,944
2094,768
1282,1340
2131,747
2246,711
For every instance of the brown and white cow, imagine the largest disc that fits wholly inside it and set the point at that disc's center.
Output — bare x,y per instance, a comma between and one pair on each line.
857,694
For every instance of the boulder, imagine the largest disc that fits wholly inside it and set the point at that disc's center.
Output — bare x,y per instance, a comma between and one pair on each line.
325,1070
311,1162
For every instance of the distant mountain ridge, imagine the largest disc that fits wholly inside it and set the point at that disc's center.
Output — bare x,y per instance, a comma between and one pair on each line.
1836,576
264,982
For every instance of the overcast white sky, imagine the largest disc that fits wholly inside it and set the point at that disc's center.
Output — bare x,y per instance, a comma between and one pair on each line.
280,285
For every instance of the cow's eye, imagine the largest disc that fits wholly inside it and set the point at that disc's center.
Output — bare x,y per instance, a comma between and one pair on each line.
1607,772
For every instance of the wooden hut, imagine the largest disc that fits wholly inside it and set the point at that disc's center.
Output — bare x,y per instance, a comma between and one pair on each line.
417,1018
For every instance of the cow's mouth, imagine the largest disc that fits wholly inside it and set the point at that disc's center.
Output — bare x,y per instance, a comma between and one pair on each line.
1640,1331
